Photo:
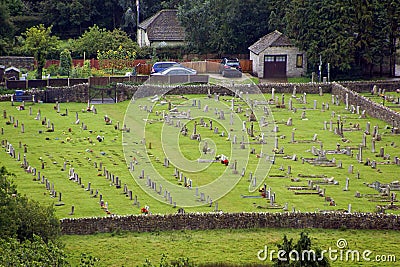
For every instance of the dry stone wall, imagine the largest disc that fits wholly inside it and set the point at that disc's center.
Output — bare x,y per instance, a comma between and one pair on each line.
203,221
372,108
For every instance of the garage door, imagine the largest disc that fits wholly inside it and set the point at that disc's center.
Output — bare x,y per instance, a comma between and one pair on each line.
275,66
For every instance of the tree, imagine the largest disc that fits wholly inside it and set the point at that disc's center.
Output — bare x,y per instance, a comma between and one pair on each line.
116,59
97,39
22,218
300,254
8,204
65,62
39,43
6,30
194,16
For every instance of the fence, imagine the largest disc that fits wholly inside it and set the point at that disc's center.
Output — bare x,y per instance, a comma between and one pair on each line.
60,82
142,67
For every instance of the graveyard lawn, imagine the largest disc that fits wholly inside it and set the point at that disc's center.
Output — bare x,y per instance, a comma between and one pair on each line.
388,99
227,247
66,137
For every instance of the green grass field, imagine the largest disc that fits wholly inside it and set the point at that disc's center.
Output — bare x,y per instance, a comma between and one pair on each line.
390,99
77,148
234,247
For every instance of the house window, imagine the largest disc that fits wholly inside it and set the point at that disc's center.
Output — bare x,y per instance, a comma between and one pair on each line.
299,61
280,58
269,59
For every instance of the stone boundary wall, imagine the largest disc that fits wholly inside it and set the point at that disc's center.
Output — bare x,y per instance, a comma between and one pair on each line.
79,93
287,88
372,108
363,87
18,62
203,221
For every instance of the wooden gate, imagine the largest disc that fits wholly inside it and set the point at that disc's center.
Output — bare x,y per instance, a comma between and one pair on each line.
99,95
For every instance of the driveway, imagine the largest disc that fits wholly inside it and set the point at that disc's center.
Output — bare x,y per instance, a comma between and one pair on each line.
219,79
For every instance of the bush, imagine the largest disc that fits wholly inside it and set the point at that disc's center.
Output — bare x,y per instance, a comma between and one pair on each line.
33,252
52,70
22,218
304,244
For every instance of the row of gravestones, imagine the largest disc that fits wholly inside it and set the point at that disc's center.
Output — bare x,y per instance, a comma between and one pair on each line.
44,180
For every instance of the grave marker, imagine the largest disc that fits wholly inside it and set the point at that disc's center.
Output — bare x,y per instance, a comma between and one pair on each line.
350,170
347,185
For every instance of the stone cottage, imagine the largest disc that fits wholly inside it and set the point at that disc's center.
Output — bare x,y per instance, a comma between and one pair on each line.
161,29
275,56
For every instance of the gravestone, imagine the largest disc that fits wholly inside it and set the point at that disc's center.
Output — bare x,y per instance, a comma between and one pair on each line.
290,105
303,115
375,132
273,93
368,128
347,185
381,152
221,115
350,170
72,210
364,140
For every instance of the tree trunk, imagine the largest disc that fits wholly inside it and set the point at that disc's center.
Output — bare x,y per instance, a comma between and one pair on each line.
39,73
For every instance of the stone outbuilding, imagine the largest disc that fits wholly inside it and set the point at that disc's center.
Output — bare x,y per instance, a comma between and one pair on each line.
275,56
161,29
12,73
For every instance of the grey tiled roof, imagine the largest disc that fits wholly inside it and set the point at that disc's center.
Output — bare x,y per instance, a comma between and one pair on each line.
164,26
273,39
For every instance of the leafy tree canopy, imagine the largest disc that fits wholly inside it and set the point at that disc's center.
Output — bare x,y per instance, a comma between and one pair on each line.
39,42
97,39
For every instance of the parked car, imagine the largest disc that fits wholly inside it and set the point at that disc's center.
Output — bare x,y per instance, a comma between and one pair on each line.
175,71
229,63
160,66
230,67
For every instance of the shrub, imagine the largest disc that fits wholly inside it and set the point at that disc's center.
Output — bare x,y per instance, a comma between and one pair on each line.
65,62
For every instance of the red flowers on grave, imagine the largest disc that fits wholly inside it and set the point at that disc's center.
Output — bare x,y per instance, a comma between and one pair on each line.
144,211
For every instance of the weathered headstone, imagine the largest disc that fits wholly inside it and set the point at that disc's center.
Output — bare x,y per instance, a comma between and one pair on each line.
347,185
350,170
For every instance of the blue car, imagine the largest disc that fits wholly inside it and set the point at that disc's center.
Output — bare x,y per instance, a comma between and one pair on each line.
160,66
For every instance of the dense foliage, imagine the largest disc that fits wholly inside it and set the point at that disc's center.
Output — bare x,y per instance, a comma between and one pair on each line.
39,42
353,36
28,231
300,254
99,39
